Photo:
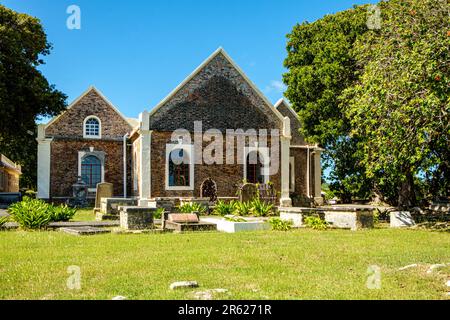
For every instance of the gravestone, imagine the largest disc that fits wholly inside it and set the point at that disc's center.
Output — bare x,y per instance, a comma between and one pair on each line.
104,190
136,218
249,192
183,218
80,192
401,219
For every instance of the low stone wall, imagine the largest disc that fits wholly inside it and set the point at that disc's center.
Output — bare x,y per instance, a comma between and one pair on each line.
136,218
353,218
110,206
349,218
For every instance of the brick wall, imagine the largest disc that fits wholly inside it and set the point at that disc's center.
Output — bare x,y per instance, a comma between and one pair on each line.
226,176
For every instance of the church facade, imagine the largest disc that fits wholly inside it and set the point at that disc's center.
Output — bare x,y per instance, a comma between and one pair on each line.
216,125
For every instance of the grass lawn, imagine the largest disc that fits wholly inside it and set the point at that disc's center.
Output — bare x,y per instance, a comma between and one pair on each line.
300,264
84,215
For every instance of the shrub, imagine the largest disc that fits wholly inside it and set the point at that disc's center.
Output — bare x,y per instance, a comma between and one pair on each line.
31,213
157,214
280,225
222,208
61,213
242,208
260,208
192,207
316,223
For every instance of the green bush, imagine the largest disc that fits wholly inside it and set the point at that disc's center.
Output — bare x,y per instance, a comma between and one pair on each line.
31,213
280,225
192,207
158,213
222,208
316,223
242,208
61,213
260,208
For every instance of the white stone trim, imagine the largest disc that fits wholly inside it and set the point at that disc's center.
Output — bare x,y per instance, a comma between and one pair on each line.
85,136
264,152
288,105
220,50
43,167
83,154
292,174
189,148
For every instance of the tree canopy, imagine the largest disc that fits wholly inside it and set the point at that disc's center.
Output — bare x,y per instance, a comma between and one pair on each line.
25,94
378,97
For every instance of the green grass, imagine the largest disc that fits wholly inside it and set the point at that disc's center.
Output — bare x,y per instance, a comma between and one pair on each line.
84,215
300,264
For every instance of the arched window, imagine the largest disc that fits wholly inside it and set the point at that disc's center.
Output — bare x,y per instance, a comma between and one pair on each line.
255,168
91,171
179,168
92,127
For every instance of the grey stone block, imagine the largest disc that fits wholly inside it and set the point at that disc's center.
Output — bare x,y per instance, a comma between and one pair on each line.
136,218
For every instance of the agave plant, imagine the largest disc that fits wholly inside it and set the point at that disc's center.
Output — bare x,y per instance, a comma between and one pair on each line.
31,213
260,208
223,209
242,208
192,207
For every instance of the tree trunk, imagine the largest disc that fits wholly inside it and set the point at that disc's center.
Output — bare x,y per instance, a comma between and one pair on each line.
407,195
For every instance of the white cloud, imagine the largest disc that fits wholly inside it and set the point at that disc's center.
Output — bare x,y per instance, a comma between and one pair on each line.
276,86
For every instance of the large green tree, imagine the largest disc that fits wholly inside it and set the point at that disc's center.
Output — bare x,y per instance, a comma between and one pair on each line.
321,65
401,102
25,94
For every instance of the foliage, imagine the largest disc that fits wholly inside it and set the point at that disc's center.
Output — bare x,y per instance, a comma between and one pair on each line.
31,213
3,221
61,213
158,213
316,223
401,103
192,207
321,65
222,208
260,208
242,208
280,225
25,94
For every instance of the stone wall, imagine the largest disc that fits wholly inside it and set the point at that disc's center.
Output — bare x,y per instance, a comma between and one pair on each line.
298,196
226,176
218,96
64,164
70,123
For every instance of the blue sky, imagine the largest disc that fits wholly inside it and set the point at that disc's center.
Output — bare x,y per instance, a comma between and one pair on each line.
136,52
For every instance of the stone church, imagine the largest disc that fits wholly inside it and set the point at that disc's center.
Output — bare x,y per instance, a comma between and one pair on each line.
159,155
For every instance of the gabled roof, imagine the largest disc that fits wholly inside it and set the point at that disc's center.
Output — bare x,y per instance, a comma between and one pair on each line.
288,106
220,50
92,88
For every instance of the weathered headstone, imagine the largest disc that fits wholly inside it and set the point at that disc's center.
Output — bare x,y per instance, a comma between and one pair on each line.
249,192
136,218
401,219
104,190
80,193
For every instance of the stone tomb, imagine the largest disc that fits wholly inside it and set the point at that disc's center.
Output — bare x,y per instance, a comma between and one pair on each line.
401,219
136,218
187,222
109,207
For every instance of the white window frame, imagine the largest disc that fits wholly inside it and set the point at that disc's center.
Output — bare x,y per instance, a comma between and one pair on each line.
189,149
86,136
292,174
83,154
264,152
